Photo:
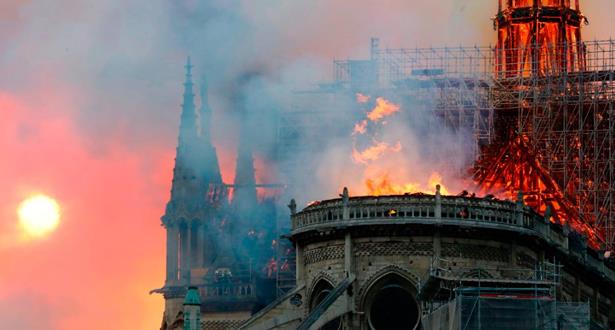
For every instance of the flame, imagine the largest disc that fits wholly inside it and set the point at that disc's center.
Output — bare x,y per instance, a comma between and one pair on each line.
508,169
384,186
374,152
436,179
360,127
382,162
384,108
361,98
271,267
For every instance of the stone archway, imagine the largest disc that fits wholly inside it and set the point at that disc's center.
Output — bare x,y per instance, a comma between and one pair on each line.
389,302
319,291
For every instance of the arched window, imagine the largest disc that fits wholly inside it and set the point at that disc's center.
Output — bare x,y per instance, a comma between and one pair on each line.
319,293
391,304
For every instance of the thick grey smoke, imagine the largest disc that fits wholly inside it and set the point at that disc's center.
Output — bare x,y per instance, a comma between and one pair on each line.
121,64
122,59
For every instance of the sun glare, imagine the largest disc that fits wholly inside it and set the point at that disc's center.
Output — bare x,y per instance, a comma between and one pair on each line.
39,215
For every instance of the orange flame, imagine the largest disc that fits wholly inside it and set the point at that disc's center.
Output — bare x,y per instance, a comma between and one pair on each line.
379,166
513,167
374,152
383,109
384,186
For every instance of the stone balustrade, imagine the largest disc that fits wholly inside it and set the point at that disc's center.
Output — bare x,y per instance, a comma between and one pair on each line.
423,208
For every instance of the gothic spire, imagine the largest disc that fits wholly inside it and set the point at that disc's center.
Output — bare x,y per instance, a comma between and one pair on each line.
188,124
244,195
186,159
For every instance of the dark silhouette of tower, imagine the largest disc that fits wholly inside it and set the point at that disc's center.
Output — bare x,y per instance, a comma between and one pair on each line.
213,247
244,193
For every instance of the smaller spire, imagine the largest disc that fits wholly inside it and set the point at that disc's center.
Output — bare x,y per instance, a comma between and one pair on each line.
188,67
244,194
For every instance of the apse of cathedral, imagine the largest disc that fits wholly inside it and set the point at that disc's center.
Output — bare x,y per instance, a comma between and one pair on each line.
219,235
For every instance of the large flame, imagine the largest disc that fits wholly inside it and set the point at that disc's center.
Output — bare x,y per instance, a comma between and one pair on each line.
374,152
385,186
382,162
384,108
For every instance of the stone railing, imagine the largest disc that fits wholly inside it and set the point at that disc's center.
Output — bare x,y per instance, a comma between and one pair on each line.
419,208
227,291
540,273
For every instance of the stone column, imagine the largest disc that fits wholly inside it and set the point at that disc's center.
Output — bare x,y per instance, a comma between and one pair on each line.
209,248
349,270
437,245
345,199
185,253
188,252
298,264
438,209
201,246
172,254
195,248
348,255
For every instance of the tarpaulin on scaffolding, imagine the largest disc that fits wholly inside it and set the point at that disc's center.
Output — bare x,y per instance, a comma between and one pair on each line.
508,312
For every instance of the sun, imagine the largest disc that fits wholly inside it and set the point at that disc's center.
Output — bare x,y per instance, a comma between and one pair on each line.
39,215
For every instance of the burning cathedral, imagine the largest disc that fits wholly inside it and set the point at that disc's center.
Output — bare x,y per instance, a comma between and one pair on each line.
528,245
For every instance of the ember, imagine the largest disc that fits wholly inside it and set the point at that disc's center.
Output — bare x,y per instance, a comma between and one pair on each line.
271,267
361,98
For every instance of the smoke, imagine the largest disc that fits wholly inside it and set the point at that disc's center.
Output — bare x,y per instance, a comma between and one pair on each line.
289,47
111,71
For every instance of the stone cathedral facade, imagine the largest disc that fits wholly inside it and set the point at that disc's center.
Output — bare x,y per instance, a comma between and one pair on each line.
217,247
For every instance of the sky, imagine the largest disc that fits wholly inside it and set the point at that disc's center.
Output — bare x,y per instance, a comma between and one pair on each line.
90,95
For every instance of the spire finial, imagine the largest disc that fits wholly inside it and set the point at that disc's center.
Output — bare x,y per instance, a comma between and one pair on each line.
188,66
188,124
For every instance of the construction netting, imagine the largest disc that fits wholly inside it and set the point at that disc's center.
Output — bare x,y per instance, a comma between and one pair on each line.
487,311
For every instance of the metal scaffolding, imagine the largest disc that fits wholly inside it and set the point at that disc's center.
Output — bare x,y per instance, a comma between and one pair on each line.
568,118
566,115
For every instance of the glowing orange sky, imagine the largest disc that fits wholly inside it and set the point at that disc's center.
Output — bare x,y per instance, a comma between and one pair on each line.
106,253
110,170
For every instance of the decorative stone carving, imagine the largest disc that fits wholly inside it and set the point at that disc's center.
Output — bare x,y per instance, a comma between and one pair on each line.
393,248
476,252
323,253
